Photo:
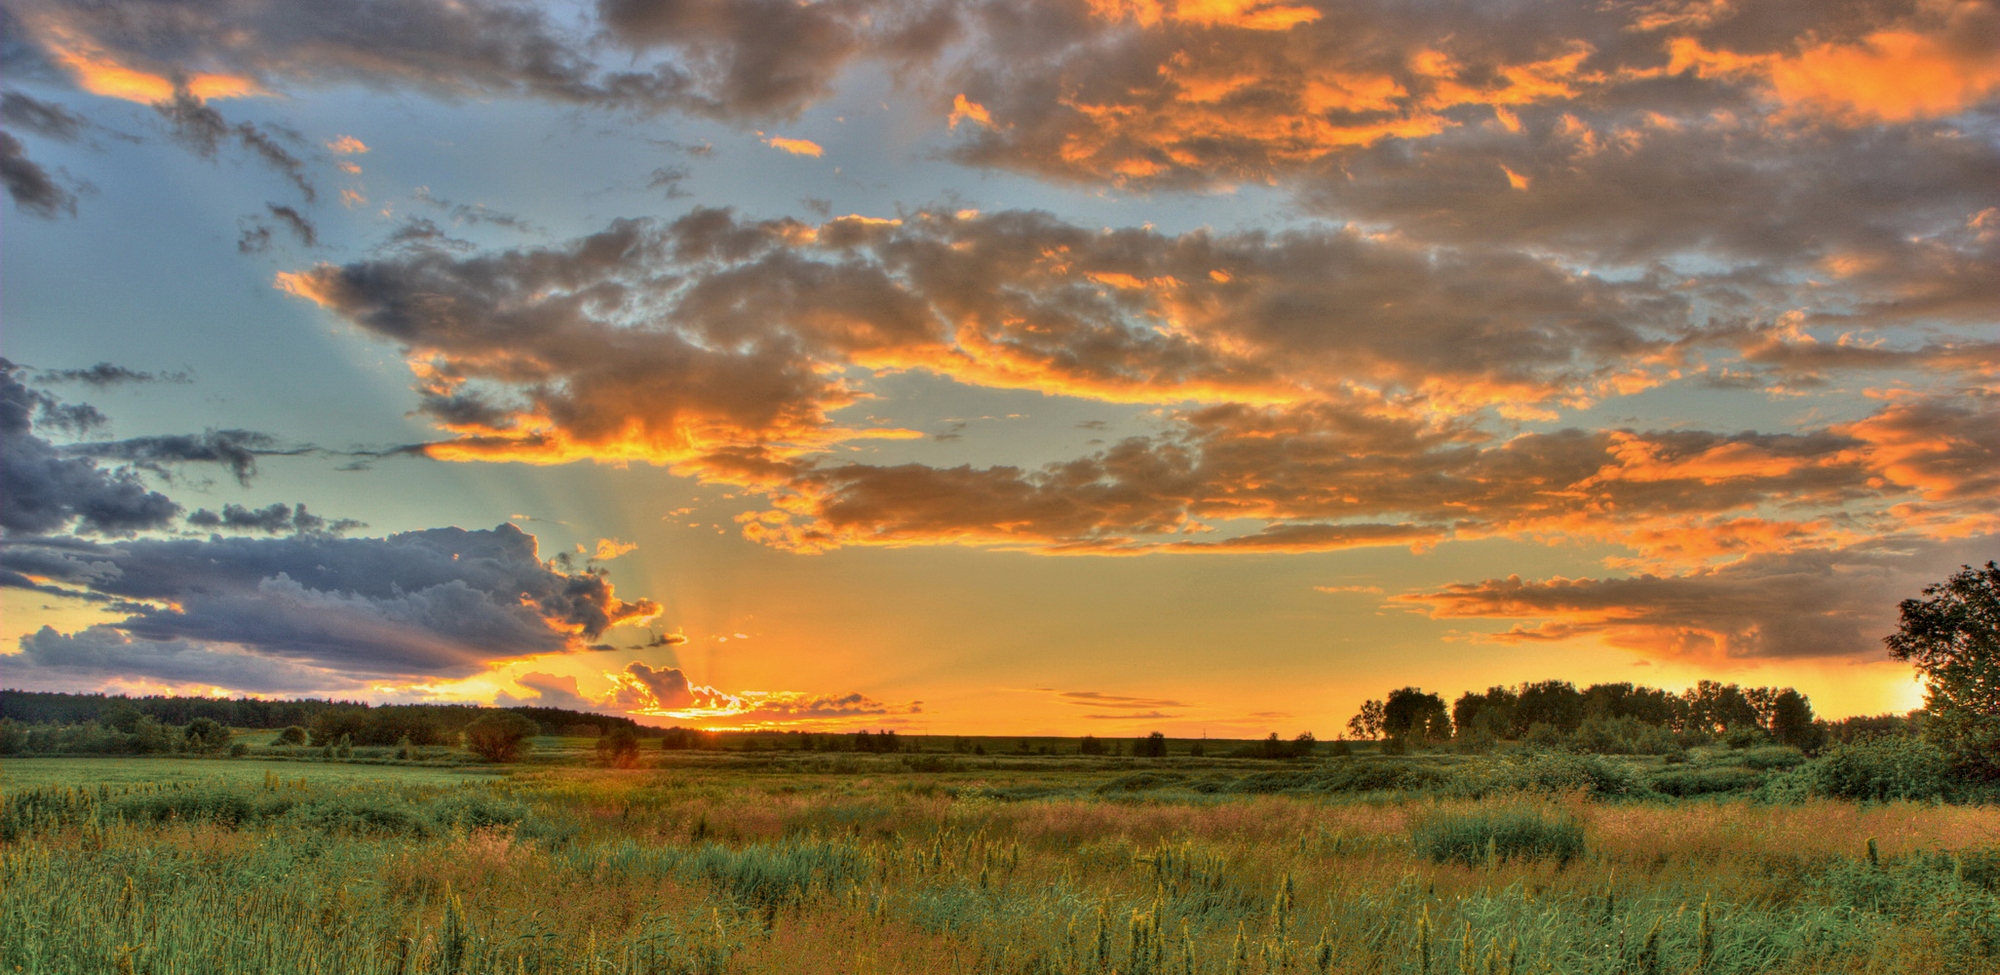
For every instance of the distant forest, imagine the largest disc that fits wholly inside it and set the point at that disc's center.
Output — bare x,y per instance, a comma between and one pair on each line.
323,721
1614,718
1606,718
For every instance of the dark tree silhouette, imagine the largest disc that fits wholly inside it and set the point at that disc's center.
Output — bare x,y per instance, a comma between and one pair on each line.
1953,638
501,736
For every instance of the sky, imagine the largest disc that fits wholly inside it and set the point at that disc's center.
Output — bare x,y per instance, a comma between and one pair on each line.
991,366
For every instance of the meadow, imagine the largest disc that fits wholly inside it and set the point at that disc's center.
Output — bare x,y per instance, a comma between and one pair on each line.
939,861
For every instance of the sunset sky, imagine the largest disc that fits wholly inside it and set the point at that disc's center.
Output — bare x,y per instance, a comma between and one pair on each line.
995,366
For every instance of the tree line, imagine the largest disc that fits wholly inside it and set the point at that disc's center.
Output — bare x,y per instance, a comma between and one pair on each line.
45,722
1951,636
1545,711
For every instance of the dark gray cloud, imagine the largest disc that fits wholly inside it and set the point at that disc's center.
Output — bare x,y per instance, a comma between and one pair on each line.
735,59
236,450
30,186
470,214
61,661
200,127
46,489
748,58
107,374
296,222
443,603
46,119
274,519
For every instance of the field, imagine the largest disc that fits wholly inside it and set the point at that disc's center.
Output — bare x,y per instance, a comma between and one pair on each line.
778,862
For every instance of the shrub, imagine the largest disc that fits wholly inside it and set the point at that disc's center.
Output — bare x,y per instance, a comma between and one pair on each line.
1744,737
1702,781
500,736
1878,769
1769,757
1624,735
1543,735
206,735
1549,772
1500,834
291,737
619,749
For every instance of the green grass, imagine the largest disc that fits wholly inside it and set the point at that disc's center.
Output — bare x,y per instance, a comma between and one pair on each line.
1001,865
30,772
1493,836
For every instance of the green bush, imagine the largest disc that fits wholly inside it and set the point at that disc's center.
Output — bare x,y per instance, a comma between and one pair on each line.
1548,772
1504,834
1768,757
1705,780
206,735
1624,735
1878,769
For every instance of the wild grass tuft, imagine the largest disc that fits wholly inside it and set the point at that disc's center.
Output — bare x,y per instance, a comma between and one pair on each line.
1492,836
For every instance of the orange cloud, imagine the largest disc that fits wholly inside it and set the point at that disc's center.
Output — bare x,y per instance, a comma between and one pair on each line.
797,147
1889,76
100,73
1808,603
964,109
347,145
666,692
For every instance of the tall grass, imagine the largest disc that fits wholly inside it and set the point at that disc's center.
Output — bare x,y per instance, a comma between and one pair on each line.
614,872
1494,836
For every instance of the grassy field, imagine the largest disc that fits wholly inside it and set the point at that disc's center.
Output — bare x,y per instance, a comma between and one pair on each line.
18,773
778,862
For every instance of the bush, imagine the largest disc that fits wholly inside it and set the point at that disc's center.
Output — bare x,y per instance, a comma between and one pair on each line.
500,736
1702,781
1503,834
1878,769
1740,738
1768,757
1624,735
291,737
619,749
1543,735
1549,772
206,735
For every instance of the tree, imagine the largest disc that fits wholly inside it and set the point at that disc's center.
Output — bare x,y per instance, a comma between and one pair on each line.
1556,703
500,736
1713,708
619,749
1151,746
1492,712
1792,721
205,735
1411,713
293,735
1367,724
1953,638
